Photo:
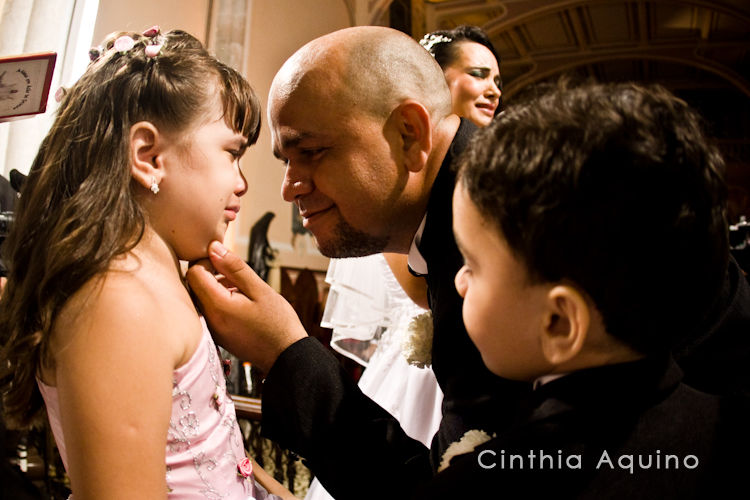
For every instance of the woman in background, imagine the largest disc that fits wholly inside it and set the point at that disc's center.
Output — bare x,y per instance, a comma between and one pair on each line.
472,69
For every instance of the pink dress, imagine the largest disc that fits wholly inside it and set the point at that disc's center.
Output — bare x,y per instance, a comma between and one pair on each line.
204,443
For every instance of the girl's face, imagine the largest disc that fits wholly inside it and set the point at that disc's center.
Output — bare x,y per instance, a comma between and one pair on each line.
201,186
474,79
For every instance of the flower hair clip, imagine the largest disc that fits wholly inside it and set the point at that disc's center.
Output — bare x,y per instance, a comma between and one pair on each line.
152,50
152,31
60,94
157,41
430,40
94,53
124,44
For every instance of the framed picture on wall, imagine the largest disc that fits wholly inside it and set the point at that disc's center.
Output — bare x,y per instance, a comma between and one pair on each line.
24,84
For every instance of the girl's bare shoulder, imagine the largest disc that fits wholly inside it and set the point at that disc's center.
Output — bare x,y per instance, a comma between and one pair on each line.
134,305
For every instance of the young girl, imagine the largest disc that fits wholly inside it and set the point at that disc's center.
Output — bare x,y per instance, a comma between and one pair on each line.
139,172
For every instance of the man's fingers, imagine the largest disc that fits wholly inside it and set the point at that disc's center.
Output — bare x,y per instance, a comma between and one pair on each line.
235,270
205,286
245,315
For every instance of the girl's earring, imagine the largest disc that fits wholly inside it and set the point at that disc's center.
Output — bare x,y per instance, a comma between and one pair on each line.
154,185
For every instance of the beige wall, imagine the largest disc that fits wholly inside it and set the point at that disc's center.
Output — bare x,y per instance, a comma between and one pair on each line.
138,15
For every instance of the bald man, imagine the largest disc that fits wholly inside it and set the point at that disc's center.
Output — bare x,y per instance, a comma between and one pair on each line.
362,120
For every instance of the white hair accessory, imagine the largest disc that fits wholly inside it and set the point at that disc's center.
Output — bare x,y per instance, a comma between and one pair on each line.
430,40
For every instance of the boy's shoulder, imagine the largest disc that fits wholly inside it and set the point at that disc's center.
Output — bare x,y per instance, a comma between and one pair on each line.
715,358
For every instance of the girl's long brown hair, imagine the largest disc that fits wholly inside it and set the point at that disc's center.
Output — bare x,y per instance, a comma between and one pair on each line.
77,209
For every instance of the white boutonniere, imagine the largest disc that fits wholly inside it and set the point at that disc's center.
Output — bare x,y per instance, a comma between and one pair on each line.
417,343
466,444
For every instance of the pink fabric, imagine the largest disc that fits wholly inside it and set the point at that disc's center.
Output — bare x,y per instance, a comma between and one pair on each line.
204,443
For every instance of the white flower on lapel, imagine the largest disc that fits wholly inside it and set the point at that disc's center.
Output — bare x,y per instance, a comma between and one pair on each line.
466,444
417,344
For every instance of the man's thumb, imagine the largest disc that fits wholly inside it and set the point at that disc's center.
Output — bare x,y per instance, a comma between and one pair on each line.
235,270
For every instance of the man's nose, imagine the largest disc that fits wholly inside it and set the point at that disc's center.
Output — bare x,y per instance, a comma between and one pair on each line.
296,183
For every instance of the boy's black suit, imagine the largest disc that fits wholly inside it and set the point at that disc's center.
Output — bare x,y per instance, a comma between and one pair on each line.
716,358
592,425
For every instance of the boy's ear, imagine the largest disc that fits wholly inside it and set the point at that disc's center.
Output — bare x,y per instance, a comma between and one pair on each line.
145,146
414,127
566,326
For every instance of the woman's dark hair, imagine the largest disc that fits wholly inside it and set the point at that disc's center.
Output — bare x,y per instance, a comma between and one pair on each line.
78,208
444,47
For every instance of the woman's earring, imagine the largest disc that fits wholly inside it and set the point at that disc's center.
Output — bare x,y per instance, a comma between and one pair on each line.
154,185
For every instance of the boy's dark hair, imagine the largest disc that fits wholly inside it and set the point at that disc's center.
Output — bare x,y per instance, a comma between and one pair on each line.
615,189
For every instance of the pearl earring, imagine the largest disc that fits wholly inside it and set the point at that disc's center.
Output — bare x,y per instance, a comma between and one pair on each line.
154,185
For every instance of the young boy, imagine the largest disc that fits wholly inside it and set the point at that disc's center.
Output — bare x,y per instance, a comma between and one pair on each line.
592,224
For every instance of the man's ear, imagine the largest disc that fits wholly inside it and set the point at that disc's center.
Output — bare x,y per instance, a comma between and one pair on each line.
145,146
414,126
566,326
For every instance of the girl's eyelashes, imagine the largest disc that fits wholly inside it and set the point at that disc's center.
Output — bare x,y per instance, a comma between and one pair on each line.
237,153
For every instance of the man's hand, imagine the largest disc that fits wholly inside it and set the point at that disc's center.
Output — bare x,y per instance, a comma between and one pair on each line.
247,317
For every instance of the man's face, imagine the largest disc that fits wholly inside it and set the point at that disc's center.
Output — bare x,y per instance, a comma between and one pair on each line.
339,169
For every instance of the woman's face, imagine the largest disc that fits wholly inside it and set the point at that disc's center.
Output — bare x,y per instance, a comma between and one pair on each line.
474,80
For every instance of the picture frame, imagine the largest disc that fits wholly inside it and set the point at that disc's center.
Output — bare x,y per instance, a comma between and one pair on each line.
25,82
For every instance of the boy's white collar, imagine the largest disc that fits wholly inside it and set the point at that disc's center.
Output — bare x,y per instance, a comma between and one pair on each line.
547,378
